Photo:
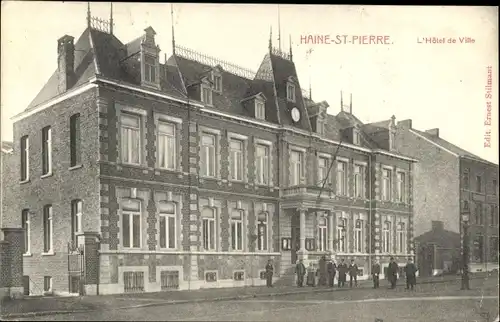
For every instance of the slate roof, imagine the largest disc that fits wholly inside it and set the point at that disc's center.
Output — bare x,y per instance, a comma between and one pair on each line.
442,238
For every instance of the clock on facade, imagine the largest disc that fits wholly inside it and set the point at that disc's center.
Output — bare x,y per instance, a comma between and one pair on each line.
295,114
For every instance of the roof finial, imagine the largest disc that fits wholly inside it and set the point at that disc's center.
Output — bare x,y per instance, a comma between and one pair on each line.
88,14
279,29
270,38
291,54
111,20
350,105
173,33
341,102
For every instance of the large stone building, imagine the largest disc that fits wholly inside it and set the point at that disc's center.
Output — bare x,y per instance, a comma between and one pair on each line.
137,175
447,179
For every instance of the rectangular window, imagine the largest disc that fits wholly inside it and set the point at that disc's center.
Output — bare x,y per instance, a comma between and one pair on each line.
47,229
342,235
47,284
208,155
131,223
341,178
493,215
25,158
320,127
47,150
297,162
359,181
262,235
466,179
494,192
290,92
355,137
168,211
263,164
25,221
493,249
149,69
322,171
208,221
478,214
133,282
359,236
167,145
387,237
237,230
217,83
236,159
478,184
76,219
74,138
322,233
260,110
130,138
386,184
401,238
206,95
401,186
478,246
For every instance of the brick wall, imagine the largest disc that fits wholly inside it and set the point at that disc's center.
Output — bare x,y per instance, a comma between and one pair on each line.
11,262
64,185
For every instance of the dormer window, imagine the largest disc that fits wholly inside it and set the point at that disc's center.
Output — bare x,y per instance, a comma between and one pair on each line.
320,127
260,110
206,92
356,137
290,92
217,79
149,69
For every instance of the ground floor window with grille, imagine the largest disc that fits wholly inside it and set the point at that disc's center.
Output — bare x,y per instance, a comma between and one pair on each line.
47,283
133,282
239,276
169,280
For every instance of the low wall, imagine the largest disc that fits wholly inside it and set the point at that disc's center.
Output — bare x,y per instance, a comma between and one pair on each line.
11,263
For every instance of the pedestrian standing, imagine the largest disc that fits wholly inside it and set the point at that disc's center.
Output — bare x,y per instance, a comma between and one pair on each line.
311,278
322,271
376,273
300,270
342,268
411,274
353,273
332,270
269,273
392,273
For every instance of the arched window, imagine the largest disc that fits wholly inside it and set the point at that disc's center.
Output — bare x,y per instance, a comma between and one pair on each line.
168,219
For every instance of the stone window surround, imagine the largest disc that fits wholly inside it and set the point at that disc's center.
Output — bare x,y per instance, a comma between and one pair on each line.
291,86
243,207
244,140
406,184
161,117
341,214
364,218
206,84
218,138
347,163
133,269
176,199
392,180
141,195
152,52
268,209
365,174
405,220
260,99
269,144
329,161
302,150
214,204
216,72
142,114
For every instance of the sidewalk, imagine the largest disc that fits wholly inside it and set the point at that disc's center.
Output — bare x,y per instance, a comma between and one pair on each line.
39,306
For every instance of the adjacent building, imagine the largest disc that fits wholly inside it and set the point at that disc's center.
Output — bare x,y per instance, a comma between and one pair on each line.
141,175
447,180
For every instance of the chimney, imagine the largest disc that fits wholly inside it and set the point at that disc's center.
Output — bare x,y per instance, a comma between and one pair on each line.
65,62
437,225
405,124
434,132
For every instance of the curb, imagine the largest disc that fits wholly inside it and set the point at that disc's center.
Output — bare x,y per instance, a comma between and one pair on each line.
208,300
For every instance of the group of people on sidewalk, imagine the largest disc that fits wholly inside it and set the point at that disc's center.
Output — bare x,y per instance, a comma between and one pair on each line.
323,273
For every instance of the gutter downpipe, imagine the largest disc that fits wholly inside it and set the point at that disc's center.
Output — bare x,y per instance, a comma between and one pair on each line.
370,215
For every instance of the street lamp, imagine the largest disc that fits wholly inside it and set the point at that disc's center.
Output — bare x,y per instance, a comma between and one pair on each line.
465,246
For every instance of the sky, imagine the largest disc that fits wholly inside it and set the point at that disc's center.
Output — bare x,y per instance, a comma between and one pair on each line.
437,85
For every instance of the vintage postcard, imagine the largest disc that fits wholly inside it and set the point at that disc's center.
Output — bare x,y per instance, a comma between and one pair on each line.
248,162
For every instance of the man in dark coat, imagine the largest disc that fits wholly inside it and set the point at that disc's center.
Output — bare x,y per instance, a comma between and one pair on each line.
269,273
353,273
376,273
411,274
392,273
300,270
342,268
322,271
332,270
